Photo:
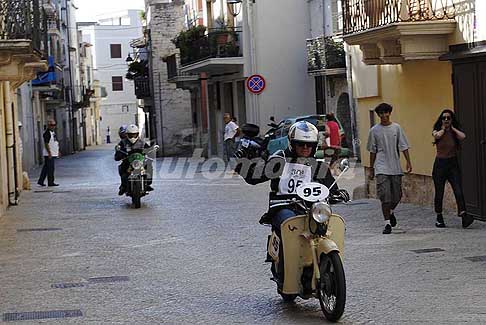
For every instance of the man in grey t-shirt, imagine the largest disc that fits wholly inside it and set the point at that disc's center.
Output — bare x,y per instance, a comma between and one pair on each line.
385,142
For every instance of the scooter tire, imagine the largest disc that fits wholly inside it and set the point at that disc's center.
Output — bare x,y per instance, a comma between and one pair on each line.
136,198
136,202
336,279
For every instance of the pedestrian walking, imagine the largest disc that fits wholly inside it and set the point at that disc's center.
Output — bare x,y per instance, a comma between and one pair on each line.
385,142
108,135
333,138
447,138
50,152
231,131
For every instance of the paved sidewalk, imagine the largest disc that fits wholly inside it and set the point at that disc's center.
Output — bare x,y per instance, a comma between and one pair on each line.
194,254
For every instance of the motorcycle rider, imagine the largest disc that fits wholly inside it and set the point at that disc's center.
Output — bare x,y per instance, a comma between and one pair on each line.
132,141
287,170
122,132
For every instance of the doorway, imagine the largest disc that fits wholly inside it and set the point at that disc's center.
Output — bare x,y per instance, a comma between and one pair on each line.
469,77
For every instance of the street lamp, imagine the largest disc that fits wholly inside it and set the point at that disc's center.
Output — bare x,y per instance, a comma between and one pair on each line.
233,5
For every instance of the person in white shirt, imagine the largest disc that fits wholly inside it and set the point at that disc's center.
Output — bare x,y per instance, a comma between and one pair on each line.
231,131
50,152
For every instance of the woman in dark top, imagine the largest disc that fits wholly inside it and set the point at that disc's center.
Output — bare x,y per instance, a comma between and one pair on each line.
447,135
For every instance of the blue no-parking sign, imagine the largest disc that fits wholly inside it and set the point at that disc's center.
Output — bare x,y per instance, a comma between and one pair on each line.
256,84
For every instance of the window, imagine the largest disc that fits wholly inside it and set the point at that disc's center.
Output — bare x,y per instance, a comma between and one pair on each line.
115,50
117,83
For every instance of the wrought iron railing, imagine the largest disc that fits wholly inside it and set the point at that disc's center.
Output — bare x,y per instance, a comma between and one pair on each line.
360,15
325,53
142,87
215,44
23,19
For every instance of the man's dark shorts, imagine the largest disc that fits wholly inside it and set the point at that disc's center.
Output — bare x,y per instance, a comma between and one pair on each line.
389,188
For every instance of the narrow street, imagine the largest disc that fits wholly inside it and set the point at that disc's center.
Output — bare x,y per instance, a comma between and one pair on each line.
194,253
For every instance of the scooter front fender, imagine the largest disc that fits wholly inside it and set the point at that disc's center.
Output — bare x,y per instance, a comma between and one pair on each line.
326,245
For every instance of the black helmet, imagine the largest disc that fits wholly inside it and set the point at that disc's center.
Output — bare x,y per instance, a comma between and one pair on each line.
122,131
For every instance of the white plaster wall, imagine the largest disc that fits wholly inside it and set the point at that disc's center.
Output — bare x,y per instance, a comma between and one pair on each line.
105,67
281,28
316,14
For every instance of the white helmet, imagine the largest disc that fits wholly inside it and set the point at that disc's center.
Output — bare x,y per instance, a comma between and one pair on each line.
303,131
132,133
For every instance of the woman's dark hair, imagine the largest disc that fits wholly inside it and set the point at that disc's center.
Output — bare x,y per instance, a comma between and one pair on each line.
330,117
454,122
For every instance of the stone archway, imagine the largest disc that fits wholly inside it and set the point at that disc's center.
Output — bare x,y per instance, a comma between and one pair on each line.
343,113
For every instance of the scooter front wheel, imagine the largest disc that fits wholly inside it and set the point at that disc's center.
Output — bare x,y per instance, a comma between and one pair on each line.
332,286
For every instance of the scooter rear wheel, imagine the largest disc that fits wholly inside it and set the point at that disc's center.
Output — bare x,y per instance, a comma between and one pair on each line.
332,286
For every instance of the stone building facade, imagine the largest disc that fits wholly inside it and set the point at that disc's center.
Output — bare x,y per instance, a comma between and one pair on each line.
171,105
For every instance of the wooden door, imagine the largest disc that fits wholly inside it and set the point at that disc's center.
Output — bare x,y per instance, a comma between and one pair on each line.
470,103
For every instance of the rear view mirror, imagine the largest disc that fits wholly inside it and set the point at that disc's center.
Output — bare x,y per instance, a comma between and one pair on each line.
344,164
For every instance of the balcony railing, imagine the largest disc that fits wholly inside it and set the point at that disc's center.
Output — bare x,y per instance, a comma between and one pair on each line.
215,44
325,53
23,19
142,87
360,15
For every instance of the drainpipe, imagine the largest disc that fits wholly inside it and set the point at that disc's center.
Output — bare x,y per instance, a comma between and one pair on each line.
11,146
71,90
250,22
352,105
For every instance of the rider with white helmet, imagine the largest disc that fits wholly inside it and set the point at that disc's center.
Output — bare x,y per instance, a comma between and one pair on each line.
287,170
132,141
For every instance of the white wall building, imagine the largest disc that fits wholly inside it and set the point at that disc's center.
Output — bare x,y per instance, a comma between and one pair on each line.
110,37
266,38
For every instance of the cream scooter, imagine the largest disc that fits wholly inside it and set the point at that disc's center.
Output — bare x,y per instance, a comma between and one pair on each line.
311,247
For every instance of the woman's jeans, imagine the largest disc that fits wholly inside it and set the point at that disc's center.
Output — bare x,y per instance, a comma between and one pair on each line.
447,169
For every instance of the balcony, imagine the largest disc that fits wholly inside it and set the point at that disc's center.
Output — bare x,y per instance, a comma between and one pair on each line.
49,81
217,51
49,7
23,41
325,56
181,79
54,27
23,20
394,31
142,87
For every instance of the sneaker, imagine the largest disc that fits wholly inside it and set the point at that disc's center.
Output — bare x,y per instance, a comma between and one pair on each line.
393,220
121,191
467,220
387,230
53,184
440,221
41,184
149,188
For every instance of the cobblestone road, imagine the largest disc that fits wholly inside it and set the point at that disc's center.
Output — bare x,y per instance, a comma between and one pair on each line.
194,254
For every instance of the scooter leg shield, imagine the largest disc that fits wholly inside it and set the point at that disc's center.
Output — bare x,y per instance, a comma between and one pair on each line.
297,253
336,230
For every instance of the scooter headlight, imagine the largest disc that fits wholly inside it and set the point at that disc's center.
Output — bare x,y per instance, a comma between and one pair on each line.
137,164
321,212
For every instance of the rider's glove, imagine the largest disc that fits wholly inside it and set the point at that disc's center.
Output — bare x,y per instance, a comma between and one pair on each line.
344,195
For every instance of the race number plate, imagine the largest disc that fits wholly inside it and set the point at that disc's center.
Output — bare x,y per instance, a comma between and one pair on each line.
274,246
313,192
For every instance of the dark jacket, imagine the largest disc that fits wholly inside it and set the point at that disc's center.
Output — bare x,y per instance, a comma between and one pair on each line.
127,146
270,170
